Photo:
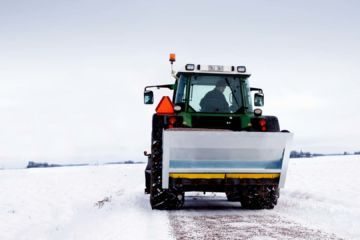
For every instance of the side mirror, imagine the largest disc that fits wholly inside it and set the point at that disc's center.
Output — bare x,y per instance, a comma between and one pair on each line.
148,97
259,100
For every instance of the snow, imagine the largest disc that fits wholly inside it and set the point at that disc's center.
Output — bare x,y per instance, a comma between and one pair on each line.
320,200
60,203
324,192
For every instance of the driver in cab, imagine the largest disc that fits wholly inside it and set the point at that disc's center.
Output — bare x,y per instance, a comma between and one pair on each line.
214,100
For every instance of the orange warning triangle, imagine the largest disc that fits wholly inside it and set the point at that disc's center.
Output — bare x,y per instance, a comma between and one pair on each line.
165,106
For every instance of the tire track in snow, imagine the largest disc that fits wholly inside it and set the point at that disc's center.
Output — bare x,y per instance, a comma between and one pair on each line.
219,219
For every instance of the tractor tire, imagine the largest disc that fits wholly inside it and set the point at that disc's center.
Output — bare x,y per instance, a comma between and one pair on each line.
162,199
233,196
260,197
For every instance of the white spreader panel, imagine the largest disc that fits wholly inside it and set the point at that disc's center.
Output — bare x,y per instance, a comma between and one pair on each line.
207,151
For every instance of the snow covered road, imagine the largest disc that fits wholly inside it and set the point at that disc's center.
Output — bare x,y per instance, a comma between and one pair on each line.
321,200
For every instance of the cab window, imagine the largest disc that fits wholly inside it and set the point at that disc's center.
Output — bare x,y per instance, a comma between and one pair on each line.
215,94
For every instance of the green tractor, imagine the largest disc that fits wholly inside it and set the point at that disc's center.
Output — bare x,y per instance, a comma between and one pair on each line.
208,138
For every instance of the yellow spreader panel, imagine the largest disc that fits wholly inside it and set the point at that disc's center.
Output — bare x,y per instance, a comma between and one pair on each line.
253,175
224,175
198,175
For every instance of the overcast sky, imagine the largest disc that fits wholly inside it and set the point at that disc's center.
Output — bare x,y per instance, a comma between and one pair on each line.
72,73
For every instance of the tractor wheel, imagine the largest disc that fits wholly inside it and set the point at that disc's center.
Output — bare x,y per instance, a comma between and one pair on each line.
233,196
260,197
165,199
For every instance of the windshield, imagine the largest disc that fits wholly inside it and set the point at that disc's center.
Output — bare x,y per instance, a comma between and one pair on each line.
217,94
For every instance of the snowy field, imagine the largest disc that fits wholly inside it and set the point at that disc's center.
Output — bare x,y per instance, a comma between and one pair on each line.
321,200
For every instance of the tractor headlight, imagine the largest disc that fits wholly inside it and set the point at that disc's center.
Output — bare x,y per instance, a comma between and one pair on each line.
190,67
241,69
177,108
257,112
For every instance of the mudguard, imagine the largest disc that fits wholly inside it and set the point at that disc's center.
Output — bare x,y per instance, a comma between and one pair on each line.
224,152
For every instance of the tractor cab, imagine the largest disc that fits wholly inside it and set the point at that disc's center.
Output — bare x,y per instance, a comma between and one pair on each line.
212,92
211,96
